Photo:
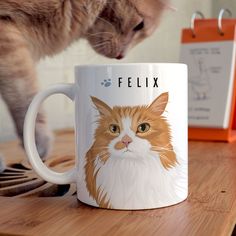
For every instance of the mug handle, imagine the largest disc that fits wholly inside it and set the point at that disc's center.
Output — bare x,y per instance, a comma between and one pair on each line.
29,136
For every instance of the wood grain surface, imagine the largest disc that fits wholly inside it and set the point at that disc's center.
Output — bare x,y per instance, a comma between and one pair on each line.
209,211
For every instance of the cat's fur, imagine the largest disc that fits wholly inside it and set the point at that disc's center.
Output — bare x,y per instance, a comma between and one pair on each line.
129,169
33,29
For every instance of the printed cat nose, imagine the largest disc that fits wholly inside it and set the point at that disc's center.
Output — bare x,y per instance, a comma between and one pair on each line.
126,140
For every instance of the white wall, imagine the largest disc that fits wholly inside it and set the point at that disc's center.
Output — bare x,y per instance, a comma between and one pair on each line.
219,4
162,47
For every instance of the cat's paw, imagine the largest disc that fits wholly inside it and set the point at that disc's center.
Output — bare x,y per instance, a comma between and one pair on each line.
43,139
2,164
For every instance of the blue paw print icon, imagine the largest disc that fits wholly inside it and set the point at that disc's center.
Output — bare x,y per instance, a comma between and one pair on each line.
106,83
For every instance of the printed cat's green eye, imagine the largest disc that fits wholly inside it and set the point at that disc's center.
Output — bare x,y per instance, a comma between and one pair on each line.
115,129
143,128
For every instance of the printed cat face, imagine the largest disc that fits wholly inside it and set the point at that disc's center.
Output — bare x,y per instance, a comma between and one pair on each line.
134,132
123,24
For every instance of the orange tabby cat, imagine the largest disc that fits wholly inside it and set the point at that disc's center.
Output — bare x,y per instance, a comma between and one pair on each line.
33,29
132,161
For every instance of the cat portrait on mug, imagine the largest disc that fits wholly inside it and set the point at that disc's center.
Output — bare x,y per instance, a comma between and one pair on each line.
33,29
132,161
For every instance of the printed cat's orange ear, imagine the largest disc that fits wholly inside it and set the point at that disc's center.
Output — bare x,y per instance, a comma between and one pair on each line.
102,107
159,105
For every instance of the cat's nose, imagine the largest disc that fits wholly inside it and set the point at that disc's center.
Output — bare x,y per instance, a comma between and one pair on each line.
120,56
126,140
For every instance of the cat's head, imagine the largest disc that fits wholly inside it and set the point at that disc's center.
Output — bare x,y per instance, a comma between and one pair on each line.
134,132
123,24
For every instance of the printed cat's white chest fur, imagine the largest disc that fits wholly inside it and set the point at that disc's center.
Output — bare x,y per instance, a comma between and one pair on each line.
134,184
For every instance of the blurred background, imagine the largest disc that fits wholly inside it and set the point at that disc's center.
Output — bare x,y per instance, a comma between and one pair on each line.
163,46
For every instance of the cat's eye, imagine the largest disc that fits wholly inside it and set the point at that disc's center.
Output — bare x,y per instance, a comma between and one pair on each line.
115,129
143,128
139,27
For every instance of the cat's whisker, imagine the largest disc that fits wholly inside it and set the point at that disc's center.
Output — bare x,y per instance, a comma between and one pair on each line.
100,48
103,42
100,33
102,38
100,45
107,22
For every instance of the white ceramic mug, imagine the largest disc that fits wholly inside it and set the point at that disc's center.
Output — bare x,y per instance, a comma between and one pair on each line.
131,135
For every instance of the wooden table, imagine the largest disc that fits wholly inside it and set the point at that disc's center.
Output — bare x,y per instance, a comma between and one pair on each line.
209,211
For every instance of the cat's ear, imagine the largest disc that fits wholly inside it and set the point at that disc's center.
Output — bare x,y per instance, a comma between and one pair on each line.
160,103
167,5
101,106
